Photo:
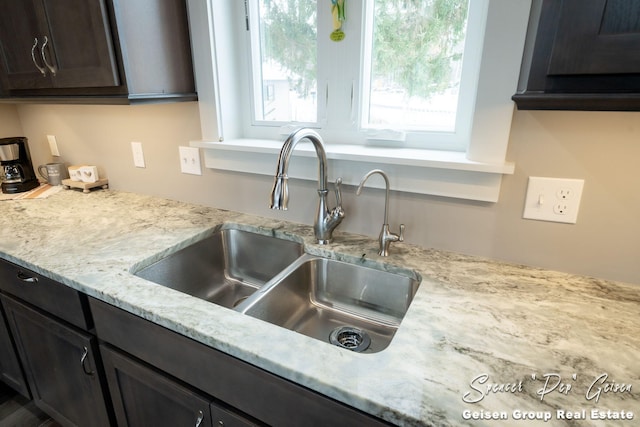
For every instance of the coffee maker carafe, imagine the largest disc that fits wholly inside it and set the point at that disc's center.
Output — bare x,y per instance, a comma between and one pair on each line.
17,171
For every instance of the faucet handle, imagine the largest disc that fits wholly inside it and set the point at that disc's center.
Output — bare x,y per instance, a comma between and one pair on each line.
338,193
401,236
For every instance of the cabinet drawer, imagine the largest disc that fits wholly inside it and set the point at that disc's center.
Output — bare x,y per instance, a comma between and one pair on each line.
46,294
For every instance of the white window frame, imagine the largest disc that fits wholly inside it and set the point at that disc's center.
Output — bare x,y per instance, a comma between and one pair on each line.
342,122
474,174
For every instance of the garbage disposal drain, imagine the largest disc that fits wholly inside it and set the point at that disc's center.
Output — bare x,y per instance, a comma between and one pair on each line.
351,338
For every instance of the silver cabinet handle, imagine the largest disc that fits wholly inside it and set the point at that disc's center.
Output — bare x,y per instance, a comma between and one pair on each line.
83,361
42,70
51,68
26,279
200,418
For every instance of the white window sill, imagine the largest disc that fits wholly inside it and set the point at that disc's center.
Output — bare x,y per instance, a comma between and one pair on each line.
439,173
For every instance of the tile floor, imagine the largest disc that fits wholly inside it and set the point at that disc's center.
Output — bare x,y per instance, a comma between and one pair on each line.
16,411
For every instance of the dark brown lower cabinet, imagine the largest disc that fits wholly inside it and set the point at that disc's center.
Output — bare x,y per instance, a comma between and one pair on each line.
10,368
249,393
60,366
144,397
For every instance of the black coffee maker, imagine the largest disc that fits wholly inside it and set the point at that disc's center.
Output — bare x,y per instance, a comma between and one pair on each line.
17,173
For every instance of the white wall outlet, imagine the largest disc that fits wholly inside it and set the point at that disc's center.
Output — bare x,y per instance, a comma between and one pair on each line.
190,160
138,154
53,145
553,199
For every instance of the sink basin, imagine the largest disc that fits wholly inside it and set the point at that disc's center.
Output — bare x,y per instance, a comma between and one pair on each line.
347,305
224,268
351,306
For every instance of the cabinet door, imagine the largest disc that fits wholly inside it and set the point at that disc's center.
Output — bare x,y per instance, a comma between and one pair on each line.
581,55
21,41
602,37
56,44
10,369
142,397
59,365
81,51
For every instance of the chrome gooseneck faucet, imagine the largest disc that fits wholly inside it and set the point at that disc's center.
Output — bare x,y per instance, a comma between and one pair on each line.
326,221
386,236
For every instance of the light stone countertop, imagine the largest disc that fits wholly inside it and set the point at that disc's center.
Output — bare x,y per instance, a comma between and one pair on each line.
524,330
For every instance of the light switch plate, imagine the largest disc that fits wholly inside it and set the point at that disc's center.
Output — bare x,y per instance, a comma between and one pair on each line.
190,160
53,145
553,199
138,154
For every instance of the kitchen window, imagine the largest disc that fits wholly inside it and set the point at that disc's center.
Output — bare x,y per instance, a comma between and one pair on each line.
431,107
404,74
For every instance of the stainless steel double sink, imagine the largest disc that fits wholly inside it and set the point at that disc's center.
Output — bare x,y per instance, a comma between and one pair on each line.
351,306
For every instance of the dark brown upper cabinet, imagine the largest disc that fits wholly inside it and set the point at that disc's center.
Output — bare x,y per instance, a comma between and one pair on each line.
95,51
581,55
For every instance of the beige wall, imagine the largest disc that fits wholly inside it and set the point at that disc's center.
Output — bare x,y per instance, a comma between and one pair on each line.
9,121
602,148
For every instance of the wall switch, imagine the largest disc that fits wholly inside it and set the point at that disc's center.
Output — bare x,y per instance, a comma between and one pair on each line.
553,199
190,160
138,154
53,145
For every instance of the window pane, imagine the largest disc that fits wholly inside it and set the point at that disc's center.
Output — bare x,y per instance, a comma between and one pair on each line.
416,63
288,83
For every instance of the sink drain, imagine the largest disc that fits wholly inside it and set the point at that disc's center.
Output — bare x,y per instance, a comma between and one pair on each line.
351,338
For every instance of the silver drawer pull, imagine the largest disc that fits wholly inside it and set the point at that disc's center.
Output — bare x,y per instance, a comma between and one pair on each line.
200,418
83,361
51,68
27,279
33,58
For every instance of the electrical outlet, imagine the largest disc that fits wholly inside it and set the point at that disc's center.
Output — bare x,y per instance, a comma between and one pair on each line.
553,199
53,145
564,193
560,209
190,160
138,154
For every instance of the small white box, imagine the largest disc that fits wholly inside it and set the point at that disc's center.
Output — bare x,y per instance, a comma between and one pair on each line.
89,173
74,173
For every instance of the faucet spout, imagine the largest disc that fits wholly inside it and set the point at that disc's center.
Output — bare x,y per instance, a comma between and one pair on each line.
386,236
326,221
280,193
